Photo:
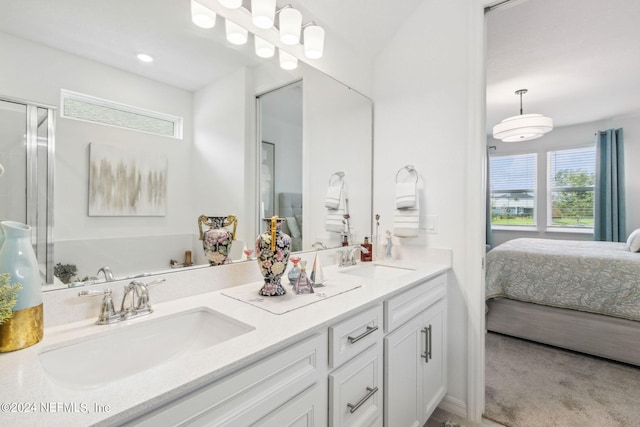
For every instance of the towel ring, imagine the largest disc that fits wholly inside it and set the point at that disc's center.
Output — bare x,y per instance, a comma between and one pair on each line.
339,175
410,170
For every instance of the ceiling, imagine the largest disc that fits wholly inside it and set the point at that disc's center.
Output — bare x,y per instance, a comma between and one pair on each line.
113,32
579,59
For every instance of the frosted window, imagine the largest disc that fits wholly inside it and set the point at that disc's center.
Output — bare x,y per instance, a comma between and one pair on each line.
96,110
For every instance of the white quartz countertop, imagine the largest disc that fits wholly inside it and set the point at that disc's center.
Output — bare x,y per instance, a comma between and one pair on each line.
30,397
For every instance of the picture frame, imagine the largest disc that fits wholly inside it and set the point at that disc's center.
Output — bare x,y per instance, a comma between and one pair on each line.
127,182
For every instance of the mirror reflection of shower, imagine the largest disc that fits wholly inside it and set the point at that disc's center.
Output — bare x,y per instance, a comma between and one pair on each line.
26,166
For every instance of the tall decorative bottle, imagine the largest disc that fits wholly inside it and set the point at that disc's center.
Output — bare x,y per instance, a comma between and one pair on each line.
17,258
273,248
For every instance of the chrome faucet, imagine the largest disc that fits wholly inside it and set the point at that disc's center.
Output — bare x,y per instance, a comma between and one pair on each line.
135,302
348,255
108,275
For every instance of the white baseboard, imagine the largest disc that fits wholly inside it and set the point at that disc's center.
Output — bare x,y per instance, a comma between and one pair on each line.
454,406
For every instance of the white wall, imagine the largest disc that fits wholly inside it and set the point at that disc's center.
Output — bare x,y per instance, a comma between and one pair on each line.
217,168
38,73
577,136
424,84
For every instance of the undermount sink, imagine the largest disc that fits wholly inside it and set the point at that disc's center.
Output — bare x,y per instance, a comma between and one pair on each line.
375,271
128,349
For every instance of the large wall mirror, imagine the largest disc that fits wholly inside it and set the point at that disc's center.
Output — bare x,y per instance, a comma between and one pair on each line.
212,166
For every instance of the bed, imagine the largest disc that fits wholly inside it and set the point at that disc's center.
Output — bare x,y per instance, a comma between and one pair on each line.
579,295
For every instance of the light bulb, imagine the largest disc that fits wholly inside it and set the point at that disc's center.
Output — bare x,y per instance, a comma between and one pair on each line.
264,49
263,13
202,16
235,33
313,41
290,25
287,61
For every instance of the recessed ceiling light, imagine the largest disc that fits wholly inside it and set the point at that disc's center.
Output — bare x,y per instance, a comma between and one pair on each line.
145,57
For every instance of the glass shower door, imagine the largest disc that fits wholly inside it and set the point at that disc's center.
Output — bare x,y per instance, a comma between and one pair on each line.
26,169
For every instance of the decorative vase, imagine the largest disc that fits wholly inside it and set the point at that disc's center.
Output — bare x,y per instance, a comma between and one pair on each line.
17,258
273,248
217,240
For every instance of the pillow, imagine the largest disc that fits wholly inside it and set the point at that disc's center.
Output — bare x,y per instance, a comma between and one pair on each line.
633,242
293,227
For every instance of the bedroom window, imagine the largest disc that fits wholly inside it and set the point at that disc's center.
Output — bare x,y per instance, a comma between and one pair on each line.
513,190
570,187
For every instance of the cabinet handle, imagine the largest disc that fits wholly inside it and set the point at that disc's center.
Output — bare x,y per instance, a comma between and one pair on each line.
370,392
427,344
430,346
370,330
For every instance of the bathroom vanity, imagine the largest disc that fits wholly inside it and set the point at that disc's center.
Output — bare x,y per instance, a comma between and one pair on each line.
372,354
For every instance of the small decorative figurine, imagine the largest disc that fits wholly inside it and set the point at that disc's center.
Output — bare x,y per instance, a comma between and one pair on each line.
388,246
303,284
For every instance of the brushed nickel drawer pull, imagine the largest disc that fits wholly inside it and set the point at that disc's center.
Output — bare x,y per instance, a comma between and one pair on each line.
370,392
425,355
370,329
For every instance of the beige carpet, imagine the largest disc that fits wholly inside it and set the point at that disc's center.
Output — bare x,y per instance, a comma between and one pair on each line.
533,385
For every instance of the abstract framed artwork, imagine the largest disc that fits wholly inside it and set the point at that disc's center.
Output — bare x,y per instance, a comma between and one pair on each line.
127,182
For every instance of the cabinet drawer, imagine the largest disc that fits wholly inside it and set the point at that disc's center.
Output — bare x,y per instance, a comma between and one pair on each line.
351,336
245,397
403,307
355,391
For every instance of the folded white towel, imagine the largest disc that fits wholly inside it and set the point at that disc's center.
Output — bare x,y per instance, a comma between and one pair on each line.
334,193
405,195
335,216
406,222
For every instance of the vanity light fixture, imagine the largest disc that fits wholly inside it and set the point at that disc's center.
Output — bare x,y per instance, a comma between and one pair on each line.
144,57
235,33
313,41
290,26
202,16
287,61
264,49
263,13
231,4
524,127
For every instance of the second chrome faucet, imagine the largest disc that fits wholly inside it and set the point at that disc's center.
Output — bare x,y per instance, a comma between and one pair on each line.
135,302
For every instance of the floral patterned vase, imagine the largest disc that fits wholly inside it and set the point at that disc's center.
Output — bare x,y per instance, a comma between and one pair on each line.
216,241
273,248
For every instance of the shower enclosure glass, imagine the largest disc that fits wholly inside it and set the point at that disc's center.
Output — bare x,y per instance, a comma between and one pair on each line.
27,162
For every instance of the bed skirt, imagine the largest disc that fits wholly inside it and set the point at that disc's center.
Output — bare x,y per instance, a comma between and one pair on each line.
595,334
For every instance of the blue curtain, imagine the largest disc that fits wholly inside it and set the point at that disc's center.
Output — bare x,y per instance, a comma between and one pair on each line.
489,235
609,221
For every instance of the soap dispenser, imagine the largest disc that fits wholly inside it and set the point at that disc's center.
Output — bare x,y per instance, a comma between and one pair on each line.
303,284
366,256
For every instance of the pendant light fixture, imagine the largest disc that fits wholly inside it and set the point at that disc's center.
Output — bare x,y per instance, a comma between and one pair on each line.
313,41
287,61
202,16
524,127
264,49
290,26
235,33
263,13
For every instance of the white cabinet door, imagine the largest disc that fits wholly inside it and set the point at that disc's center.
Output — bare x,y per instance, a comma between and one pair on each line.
403,373
415,368
306,410
434,364
355,391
